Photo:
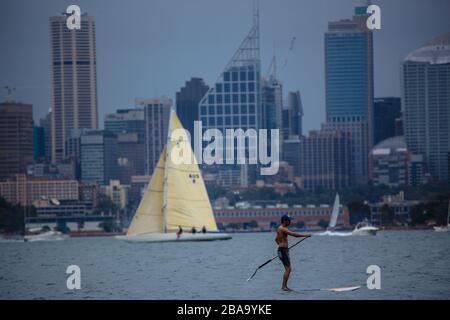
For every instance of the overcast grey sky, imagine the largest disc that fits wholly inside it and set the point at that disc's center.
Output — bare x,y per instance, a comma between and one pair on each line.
149,48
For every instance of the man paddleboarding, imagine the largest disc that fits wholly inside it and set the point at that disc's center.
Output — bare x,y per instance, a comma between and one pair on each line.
283,247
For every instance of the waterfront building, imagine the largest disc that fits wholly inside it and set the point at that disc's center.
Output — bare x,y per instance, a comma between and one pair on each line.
268,217
26,190
392,209
117,192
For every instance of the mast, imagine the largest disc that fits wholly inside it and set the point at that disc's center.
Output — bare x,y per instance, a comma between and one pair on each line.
164,206
448,211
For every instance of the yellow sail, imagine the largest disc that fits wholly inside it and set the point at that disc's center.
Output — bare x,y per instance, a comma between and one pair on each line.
187,202
148,217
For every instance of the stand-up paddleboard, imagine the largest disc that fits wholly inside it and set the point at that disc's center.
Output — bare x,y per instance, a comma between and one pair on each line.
342,289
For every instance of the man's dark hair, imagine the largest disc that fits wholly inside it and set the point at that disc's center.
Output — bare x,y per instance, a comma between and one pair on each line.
285,218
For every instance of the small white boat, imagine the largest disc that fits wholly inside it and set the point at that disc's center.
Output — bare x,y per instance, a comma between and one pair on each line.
364,229
40,235
442,228
447,227
176,202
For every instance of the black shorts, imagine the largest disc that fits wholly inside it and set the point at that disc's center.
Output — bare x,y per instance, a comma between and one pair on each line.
283,254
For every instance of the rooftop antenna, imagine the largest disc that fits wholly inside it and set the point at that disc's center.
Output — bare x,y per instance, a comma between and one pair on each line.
10,92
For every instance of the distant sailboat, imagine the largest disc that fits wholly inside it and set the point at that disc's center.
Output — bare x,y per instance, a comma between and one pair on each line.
333,221
334,213
447,227
176,198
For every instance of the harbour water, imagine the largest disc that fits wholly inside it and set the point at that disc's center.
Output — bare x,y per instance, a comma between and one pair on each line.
414,264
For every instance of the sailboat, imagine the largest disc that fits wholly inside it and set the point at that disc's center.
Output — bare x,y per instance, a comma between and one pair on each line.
334,213
447,227
333,220
176,198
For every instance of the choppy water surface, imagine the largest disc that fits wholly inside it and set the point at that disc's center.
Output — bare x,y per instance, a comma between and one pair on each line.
414,264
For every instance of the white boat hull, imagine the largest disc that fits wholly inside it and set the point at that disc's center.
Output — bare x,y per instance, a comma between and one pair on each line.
333,233
442,229
365,231
46,236
172,237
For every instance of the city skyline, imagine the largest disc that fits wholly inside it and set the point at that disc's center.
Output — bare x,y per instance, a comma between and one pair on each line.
189,58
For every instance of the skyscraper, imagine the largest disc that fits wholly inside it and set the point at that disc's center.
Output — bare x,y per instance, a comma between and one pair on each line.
349,85
272,103
426,104
46,124
38,143
156,117
98,156
386,113
234,101
293,116
74,80
126,120
324,160
187,100
129,125
16,138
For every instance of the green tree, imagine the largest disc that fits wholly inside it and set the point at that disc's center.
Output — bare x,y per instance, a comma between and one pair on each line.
323,223
106,205
12,216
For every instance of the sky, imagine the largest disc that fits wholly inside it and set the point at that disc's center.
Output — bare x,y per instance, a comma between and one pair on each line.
148,48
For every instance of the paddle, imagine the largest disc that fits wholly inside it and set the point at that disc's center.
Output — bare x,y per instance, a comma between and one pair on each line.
271,259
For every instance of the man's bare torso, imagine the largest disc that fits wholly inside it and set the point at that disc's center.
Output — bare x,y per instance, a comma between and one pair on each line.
282,237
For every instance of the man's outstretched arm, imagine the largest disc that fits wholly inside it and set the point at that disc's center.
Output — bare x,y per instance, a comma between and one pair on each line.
296,234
